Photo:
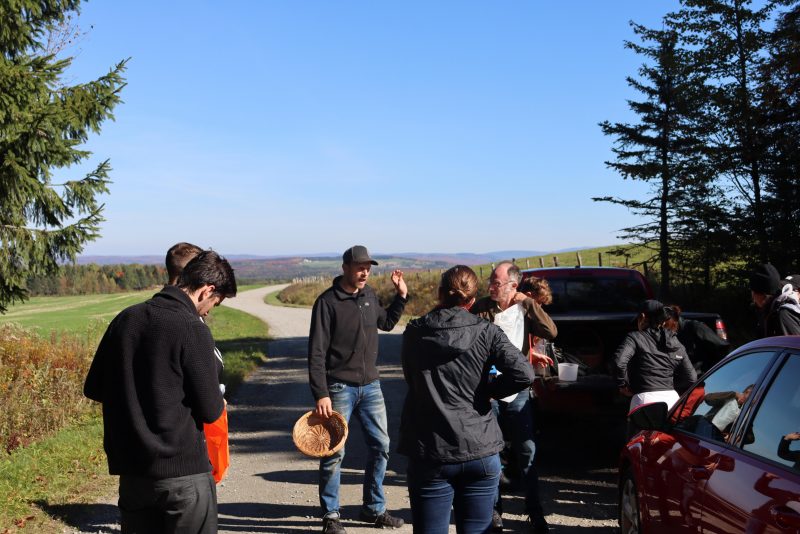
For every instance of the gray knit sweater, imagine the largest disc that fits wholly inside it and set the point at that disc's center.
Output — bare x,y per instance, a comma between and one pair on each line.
155,374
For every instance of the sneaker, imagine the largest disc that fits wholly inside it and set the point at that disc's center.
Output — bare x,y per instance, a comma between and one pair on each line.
536,525
497,522
331,525
383,520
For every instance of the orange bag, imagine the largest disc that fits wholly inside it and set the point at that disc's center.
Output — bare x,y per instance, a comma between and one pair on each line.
217,443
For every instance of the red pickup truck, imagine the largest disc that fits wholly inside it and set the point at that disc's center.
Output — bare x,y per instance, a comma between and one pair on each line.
594,308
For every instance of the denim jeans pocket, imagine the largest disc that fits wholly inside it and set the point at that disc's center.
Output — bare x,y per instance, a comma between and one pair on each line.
491,465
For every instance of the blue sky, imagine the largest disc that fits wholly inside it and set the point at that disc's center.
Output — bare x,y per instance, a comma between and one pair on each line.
281,127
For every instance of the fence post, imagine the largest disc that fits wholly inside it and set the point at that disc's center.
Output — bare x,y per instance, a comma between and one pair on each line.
600,259
555,261
541,262
627,262
580,263
480,270
645,269
527,263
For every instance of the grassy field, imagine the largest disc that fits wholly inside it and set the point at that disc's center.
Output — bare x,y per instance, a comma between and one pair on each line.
78,315
56,461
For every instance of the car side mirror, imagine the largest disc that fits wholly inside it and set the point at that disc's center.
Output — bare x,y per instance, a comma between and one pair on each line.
649,416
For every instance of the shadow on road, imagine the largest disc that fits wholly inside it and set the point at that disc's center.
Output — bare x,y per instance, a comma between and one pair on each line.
99,518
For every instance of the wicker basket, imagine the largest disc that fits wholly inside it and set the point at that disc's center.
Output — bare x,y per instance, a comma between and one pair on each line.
318,437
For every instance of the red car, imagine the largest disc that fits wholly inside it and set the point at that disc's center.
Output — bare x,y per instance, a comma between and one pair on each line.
726,457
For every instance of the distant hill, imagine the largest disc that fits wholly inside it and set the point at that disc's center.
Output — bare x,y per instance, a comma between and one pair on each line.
288,268
255,267
150,259
470,258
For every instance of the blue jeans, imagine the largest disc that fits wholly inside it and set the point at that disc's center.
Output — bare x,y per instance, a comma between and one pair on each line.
366,403
516,420
470,488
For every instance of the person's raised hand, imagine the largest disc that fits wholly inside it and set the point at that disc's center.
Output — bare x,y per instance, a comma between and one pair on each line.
399,283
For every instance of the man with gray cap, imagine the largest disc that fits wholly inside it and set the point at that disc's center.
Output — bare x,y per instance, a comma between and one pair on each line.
342,372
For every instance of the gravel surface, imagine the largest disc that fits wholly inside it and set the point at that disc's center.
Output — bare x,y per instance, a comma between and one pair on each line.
272,488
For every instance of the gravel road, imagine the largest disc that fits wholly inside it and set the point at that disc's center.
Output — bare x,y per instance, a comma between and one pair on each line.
272,488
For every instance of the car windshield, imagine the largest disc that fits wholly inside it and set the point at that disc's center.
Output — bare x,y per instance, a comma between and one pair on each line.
596,294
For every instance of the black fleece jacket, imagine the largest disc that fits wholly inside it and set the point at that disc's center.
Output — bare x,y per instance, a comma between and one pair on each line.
650,360
447,416
343,339
155,374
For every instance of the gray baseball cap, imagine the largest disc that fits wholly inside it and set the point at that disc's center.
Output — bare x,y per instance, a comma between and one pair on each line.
357,254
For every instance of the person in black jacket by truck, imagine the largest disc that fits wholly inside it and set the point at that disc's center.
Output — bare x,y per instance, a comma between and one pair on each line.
447,428
649,359
342,372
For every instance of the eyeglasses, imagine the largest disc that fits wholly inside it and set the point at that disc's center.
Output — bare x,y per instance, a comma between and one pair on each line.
495,283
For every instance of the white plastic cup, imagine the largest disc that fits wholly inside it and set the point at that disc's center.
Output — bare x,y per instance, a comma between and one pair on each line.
568,372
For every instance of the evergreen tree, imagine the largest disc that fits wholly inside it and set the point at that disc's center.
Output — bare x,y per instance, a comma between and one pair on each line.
729,43
781,96
665,146
43,123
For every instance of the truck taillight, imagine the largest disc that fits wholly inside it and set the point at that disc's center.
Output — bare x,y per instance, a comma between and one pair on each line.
721,330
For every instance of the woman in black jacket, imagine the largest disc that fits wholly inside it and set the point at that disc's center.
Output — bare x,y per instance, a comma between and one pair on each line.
648,361
447,429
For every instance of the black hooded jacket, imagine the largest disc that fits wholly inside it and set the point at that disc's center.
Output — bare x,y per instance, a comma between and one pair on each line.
650,359
447,416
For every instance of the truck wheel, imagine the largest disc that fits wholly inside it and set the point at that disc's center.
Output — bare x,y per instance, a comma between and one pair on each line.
629,520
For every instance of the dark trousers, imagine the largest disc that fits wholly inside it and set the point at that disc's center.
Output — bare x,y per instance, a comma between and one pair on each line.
516,420
181,505
469,488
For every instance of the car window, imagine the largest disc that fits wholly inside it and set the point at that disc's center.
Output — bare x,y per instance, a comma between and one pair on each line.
775,431
712,406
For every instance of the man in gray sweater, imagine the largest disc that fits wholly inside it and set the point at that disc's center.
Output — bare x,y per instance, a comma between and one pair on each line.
155,374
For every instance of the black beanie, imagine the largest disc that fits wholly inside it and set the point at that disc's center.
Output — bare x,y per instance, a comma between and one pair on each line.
765,279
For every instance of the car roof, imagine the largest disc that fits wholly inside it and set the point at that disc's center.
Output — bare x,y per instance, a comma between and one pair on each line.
775,342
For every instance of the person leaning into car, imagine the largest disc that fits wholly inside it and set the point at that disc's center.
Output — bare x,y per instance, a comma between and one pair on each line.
648,360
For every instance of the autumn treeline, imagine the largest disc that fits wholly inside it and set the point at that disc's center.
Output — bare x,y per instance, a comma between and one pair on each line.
92,279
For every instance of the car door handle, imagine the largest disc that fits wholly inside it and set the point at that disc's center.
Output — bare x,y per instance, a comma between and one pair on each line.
699,472
785,517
